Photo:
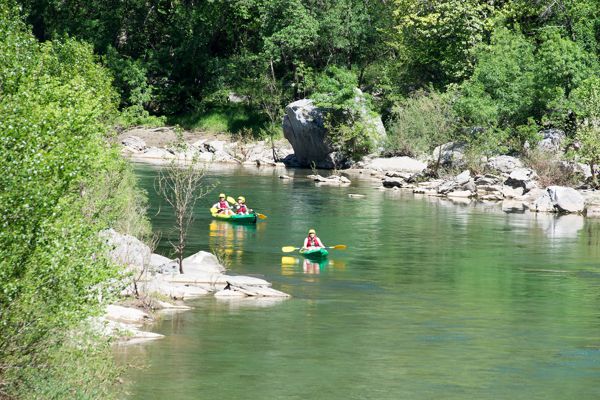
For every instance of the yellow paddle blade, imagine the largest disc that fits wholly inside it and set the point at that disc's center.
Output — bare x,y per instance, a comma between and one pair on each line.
339,247
231,200
261,216
213,211
285,260
288,249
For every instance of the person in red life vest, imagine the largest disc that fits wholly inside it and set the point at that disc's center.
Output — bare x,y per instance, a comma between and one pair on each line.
222,205
240,207
312,241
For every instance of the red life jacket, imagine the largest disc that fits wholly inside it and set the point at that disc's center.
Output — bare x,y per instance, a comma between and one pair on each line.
312,242
223,204
242,209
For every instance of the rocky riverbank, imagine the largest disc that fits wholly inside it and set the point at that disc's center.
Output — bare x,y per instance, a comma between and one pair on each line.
504,178
152,284
156,146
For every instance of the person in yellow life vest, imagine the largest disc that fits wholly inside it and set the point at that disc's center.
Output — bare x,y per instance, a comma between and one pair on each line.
240,206
312,241
222,205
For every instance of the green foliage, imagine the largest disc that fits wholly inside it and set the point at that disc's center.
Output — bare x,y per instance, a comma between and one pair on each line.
55,197
435,39
349,118
420,123
233,118
512,65
500,91
587,100
561,65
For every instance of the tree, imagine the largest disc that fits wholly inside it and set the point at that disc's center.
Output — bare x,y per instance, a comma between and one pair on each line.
422,122
435,39
348,116
182,185
587,100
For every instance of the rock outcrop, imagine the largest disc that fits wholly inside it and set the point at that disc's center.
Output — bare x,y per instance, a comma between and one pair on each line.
304,127
127,250
396,164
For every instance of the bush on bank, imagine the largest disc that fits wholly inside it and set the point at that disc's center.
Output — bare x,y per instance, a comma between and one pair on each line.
61,184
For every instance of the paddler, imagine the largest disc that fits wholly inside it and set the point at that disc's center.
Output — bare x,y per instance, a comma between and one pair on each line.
240,206
222,205
312,241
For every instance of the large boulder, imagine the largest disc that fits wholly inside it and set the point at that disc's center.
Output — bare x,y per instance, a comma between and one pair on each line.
504,164
522,177
451,153
126,249
304,128
566,199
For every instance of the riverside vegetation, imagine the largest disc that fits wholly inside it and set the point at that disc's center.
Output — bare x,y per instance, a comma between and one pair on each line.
489,74
61,184
492,74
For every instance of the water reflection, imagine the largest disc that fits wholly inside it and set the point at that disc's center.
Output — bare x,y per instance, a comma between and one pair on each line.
230,238
439,300
313,267
238,303
558,227
289,265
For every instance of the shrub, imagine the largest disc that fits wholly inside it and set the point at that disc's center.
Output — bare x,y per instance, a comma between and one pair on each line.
349,116
420,123
549,168
61,184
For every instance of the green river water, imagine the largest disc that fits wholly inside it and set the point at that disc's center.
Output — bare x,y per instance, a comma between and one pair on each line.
432,300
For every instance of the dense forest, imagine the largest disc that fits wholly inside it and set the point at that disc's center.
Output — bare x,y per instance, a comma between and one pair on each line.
493,72
490,73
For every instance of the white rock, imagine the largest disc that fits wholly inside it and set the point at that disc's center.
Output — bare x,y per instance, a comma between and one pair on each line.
242,280
126,314
229,293
202,261
399,164
463,177
134,143
393,182
332,180
504,164
215,145
451,153
156,153
446,187
126,249
460,194
566,199
510,193
551,140
593,211
170,306
156,260
522,177
543,204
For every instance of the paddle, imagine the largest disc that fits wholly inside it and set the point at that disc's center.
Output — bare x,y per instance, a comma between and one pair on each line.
259,215
289,249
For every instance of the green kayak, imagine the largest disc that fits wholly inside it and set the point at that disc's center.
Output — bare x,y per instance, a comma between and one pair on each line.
237,218
315,254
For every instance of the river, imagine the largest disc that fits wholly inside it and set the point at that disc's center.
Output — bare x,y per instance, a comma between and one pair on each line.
431,300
